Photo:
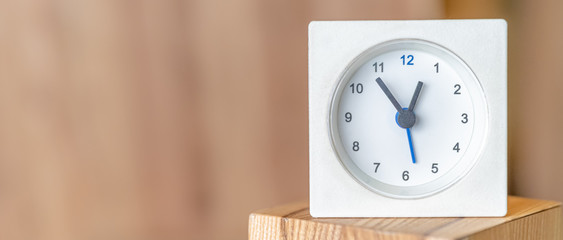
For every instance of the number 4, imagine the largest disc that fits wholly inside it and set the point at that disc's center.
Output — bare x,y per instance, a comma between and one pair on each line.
456,147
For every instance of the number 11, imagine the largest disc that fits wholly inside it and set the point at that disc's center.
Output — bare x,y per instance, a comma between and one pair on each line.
380,66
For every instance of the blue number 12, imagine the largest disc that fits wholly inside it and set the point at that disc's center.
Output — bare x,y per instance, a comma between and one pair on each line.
410,58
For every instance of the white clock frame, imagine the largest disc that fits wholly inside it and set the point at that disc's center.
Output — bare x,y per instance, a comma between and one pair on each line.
333,45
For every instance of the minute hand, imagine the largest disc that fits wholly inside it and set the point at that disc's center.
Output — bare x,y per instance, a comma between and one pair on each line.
390,95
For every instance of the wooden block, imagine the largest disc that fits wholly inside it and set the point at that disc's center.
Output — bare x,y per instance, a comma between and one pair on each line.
526,219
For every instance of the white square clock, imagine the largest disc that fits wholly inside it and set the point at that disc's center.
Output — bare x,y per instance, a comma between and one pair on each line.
408,118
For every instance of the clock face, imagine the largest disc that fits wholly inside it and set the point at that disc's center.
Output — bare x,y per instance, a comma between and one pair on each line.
408,118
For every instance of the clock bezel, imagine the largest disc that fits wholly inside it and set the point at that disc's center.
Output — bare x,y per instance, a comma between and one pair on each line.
478,138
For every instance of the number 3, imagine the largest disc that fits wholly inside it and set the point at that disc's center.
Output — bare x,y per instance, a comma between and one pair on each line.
464,118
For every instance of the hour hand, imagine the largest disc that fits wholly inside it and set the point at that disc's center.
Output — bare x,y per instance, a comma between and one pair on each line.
389,94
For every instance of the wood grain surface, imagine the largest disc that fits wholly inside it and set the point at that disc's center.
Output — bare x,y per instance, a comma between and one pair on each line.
526,219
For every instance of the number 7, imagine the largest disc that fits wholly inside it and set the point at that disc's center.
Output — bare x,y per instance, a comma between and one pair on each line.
376,165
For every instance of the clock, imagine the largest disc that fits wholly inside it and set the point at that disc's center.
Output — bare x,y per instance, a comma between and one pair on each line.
407,118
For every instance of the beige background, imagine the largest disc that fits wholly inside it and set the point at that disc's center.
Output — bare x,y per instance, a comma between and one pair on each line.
175,119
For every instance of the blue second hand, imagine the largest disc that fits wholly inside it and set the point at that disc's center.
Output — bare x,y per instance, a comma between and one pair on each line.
410,145
408,136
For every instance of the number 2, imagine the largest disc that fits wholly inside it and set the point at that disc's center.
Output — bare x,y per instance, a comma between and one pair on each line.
457,87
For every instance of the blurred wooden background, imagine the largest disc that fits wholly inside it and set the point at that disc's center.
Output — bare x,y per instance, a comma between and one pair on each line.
175,119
